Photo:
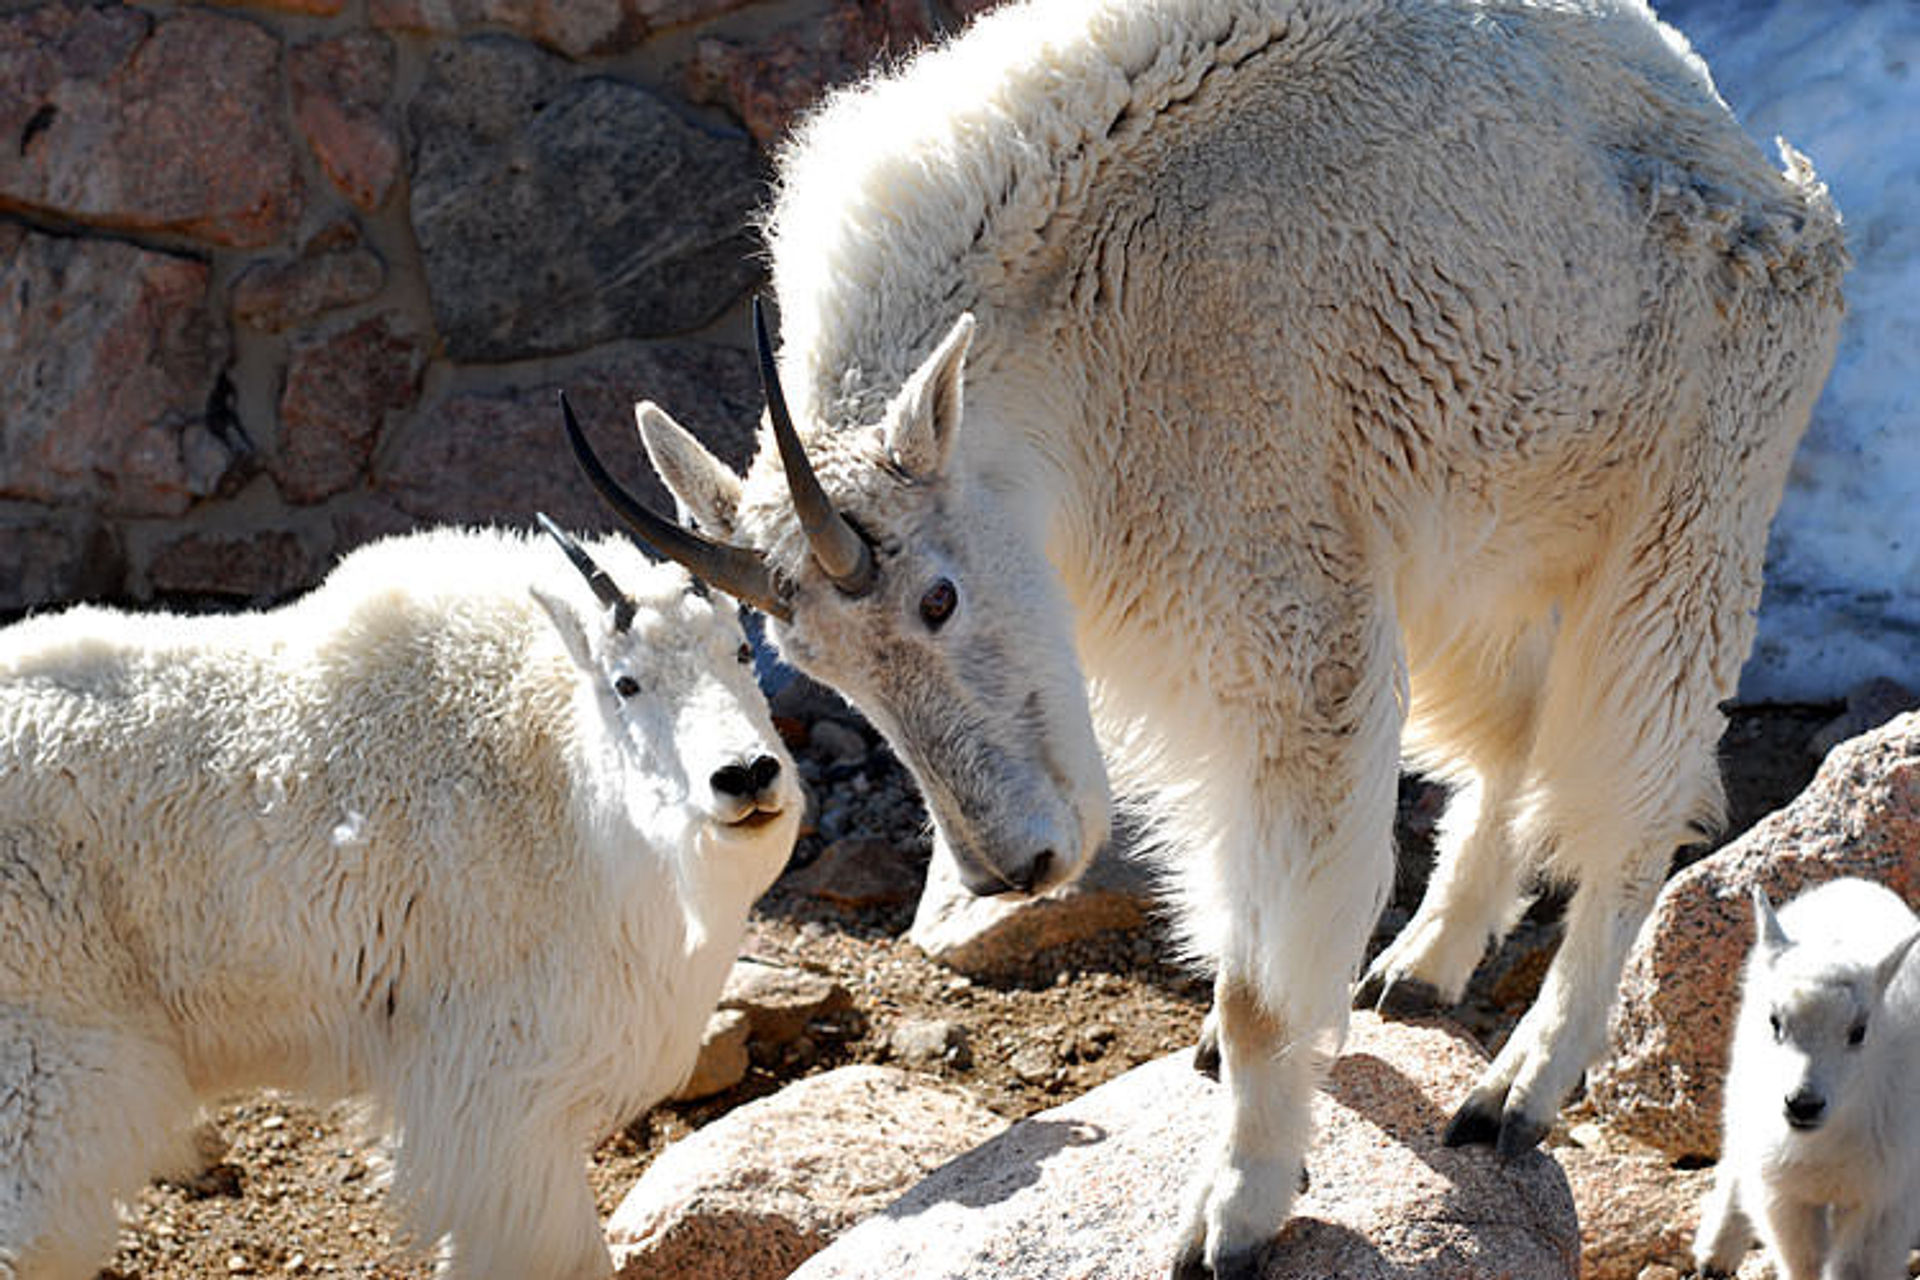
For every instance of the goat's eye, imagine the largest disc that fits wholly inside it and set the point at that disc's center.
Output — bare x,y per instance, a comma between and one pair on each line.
938,604
626,686
745,654
1858,1034
1773,1020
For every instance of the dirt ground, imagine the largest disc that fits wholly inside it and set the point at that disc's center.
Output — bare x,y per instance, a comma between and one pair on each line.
298,1191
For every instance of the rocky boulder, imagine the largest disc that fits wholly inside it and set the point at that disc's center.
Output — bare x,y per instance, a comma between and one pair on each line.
1093,1189
1671,1030
756,1192
985,936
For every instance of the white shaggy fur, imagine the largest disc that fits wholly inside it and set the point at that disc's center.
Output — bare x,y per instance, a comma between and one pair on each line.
1821,1146
404,837
1282,385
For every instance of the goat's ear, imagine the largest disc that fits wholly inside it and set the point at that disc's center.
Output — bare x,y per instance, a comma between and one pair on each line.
1889,965
705,488
1767,925
926,413
568,622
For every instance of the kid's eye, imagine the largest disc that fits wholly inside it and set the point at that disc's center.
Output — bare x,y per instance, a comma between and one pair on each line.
1858,1035
745,655
938,604
626,686
1773,1020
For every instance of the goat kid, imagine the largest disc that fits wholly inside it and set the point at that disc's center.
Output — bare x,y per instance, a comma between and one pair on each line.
1820,1150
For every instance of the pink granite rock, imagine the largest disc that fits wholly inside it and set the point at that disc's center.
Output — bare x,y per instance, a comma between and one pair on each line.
274,296
340,390
1636,1210
341,88
577,28
1670,1032
257,565
112,377
979,936
502,455
56,556
768,83
1094,1189
751,1195
143,123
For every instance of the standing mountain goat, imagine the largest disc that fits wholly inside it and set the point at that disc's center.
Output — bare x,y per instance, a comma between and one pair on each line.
481,849
1821,1146
1234,394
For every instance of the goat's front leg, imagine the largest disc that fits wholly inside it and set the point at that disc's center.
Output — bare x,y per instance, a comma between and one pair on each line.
1868,1244
1270,1070
1796,1231
1725,1232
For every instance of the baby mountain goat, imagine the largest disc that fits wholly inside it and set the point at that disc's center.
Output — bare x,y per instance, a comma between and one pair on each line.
1821,1150
457,830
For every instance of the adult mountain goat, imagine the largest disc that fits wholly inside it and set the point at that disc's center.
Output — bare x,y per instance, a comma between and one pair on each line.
457,830
1256,390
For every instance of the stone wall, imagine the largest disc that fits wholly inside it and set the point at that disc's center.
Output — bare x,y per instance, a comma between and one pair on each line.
280,276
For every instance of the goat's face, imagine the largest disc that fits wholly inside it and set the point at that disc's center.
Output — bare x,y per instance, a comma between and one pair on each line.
919,591
1810,1024
1808,1021
666,678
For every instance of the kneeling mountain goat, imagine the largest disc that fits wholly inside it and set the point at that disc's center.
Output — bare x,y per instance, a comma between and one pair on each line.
1224,397
1820,1154
457,830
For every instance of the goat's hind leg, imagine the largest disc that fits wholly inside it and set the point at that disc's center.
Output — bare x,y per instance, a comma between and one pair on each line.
1474,734
1470,903
1624,772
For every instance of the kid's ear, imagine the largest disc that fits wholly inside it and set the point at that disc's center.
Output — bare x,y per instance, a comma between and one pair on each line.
927,411
568,622
705,488
1889,966
1767,925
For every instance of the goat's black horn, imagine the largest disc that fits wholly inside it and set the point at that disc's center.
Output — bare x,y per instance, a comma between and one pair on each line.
739,572
843,554
604,588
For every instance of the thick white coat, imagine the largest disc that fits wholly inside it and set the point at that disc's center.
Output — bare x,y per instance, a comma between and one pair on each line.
1829,1026
403,838
1281,386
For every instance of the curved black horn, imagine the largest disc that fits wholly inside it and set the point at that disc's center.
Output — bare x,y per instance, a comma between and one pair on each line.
737,571
604,588
841,551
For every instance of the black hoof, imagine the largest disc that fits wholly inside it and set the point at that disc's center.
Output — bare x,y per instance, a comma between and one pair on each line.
1243,1265
1190,1263
1399,997
1475,1124
1367,994
1206,1056
1519,1135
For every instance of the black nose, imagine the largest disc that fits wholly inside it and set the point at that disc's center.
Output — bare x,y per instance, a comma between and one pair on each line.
1804,1109
749,779
991,882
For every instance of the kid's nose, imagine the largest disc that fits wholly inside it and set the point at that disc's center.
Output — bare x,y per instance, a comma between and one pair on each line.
1805,1108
